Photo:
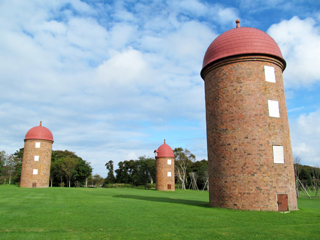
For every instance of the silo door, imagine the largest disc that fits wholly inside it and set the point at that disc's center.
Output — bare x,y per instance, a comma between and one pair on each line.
169,186
34,185
282,202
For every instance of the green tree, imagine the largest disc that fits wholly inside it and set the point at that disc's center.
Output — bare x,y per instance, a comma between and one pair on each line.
56,171
136,172
2,162
8,167
124,172
110,177
82,171
144,171
79,175
18,155
183,159
68,166
2,167
97,180
201,169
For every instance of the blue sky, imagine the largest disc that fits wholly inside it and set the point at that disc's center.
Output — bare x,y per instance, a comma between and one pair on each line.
112,79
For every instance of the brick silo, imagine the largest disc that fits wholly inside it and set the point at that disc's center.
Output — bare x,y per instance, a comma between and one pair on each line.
164,168
248,138
36,159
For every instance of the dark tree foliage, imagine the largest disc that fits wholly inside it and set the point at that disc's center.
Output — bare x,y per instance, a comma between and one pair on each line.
136,172
200,167
2,163
63,170
82,171
18,155
142,171
309,176
110,178
10,167
124,172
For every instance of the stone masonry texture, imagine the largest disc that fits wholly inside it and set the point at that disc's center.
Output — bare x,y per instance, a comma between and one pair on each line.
162,179
43,165
241,135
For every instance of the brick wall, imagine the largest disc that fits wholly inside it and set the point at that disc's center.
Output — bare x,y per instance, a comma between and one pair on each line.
43,165
241,135
162,169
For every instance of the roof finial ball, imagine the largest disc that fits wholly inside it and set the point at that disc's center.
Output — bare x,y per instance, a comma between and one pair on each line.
238,23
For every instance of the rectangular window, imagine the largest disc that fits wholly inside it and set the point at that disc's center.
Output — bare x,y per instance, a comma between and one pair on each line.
169,174
269,74
169,161
36,158
37,145
35,171
273,108
278,155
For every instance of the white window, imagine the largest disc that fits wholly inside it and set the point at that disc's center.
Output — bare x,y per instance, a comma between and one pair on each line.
269,74
36,158
35,171
273,108
278,155
169,161
37,145
169,174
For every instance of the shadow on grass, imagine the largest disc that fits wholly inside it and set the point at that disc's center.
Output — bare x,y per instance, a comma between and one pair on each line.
167,200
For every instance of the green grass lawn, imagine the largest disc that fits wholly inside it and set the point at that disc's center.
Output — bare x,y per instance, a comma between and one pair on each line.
80,213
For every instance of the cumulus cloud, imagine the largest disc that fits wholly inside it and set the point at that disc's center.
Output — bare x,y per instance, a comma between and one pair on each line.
107,83
305,132
112,80
299,42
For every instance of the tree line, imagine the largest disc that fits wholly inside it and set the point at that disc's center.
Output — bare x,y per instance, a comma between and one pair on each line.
142,171
67,169
308,176
10,167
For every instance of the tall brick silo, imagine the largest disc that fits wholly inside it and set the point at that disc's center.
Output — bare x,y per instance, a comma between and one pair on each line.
36,159
248,138
165,168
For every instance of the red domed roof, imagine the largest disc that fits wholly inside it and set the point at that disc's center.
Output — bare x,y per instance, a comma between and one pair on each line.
241,41
164,151
39,132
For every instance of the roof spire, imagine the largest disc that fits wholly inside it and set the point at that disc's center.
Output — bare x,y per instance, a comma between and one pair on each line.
238,23
164,141
40,123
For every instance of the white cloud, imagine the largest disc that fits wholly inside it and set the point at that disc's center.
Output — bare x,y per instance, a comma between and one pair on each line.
125,69
305,135
106,88
299,42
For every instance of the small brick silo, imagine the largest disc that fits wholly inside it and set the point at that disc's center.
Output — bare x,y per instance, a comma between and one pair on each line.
36,159
248,138
165,168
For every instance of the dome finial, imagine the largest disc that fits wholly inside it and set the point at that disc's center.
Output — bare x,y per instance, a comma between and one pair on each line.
238,23
164,141
40,123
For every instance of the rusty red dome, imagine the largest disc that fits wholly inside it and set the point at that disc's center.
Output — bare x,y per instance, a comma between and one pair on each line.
164,151
241,41
39,132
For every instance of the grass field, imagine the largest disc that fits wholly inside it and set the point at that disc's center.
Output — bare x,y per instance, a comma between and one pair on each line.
80,213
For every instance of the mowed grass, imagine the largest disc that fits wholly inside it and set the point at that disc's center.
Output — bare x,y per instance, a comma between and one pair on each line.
80,213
